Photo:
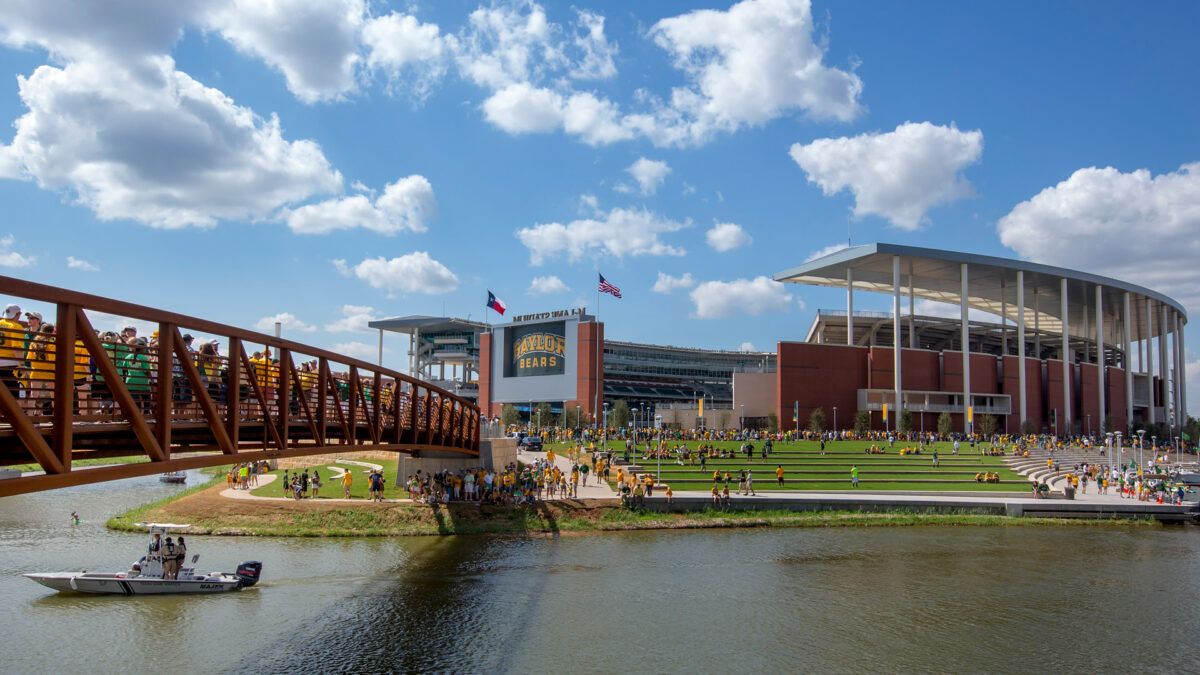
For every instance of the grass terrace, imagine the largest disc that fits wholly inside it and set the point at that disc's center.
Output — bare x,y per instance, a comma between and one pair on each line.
806,468
331,485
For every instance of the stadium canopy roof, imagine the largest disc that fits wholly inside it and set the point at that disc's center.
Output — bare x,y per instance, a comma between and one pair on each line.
934,274
433,324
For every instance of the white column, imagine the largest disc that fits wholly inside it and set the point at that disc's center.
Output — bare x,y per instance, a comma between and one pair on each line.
380,362
912,309
1150,359
413,360
1003,319
849,307
1021,347
1183,372
1126,314
1037,324
1180,376
1068,427
1164,365
897,345
966,345
1087,348
1100,356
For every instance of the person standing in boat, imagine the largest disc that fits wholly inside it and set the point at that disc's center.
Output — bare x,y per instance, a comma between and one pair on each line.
180,556
153,553
169,563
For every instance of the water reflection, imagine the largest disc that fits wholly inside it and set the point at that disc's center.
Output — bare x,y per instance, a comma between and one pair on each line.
830,600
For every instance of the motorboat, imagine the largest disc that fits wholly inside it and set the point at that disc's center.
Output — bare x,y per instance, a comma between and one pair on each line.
145,577
174,477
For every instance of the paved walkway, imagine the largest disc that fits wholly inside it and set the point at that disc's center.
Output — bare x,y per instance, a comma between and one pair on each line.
595,489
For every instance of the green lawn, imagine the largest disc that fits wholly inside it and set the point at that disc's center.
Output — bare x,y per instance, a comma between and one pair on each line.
332,488
808,469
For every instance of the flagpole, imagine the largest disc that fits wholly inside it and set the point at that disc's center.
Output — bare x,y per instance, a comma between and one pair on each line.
596,364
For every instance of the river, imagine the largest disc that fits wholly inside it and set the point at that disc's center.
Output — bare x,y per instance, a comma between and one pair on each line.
810,600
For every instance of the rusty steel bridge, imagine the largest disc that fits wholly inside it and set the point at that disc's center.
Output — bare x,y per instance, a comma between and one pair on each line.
82,394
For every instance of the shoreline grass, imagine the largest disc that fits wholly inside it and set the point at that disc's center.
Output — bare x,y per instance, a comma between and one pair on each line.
309,519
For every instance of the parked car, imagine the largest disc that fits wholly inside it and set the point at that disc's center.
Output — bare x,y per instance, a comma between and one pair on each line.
531,443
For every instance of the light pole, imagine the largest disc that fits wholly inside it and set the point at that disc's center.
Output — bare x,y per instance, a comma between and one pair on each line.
835,426
1141,442
742,420
1119,444
1089,420
604,435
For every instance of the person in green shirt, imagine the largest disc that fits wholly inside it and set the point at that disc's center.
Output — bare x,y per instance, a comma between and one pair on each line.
854,476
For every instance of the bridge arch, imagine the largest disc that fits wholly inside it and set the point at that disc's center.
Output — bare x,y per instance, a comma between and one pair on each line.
175,403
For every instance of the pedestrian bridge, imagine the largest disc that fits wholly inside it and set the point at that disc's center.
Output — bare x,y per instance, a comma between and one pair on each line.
187,393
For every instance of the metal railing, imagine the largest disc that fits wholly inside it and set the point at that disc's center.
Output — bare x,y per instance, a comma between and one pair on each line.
234,394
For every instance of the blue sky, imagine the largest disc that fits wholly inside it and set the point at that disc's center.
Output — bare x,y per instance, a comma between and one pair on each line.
500,163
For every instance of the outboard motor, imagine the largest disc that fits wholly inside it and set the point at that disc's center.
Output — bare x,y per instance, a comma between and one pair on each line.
248,573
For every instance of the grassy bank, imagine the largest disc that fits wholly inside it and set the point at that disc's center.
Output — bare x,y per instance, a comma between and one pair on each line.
209,513
126,522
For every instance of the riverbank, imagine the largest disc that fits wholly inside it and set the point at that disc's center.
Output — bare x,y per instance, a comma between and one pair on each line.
209,513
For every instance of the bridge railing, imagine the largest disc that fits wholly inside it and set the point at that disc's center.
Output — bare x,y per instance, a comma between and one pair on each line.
77,384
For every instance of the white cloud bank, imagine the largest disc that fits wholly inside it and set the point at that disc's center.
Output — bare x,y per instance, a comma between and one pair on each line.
899,175
548,285
408,204
721,299
618,233
412,273
1131,226
668,284
287,321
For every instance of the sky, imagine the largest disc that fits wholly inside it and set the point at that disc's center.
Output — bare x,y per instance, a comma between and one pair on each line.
329,162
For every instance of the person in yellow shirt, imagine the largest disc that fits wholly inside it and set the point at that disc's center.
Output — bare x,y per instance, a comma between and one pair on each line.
347,481
12,349
41,370
550,457
670,495
779,474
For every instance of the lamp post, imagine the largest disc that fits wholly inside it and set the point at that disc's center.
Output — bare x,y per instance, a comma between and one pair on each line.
742,419
604,435
1089,421
1141,442
835,426
1119,444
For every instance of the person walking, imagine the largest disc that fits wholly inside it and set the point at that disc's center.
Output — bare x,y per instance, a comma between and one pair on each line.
750,482
854,476
779,474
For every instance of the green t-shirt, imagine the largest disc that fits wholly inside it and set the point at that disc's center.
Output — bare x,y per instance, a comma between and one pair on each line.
854,472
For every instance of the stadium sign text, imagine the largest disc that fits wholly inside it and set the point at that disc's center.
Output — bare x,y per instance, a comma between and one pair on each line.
557,314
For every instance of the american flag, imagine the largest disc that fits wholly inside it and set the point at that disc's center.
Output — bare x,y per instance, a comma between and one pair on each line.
606,287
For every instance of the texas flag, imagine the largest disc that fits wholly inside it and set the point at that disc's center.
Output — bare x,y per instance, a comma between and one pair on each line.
496,304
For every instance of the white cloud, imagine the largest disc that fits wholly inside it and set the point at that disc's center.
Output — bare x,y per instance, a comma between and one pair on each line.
1131,226
407,204
148,143
828,250
342,268
9,257
314,44
618,233
523,108
412,273
747,65
718,299
81,265
596,62
724,237
589,204
399,44
649,174
353,319
548,285
668,284
746,347
287,320
359,350
899,175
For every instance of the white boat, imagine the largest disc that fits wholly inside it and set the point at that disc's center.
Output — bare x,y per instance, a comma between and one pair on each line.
173,477
145,577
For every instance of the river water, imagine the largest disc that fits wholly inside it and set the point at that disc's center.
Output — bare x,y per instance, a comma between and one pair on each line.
789,600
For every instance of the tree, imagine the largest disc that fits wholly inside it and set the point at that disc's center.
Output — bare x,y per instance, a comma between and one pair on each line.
987,425
862,422
570,418
772,422
509,414
945,425
816,420
618,414
906,421
542,414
